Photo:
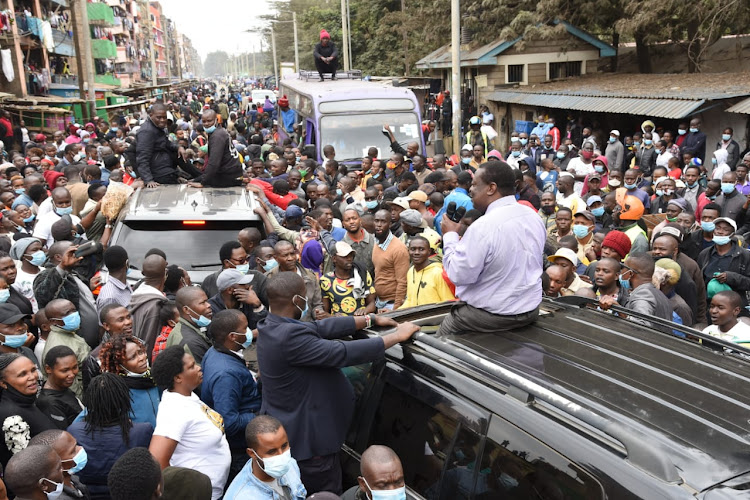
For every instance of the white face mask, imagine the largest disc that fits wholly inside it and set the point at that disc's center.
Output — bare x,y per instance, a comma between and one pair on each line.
55,494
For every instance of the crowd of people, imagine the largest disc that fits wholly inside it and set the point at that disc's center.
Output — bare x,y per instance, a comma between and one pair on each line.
234,388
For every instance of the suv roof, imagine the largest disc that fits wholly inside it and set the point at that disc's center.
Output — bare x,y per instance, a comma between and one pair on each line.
677,408
182,202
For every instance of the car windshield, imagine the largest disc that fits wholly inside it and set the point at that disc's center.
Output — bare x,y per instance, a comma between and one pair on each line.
352,135
201,254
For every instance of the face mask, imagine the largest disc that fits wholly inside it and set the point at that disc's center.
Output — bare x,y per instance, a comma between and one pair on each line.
721,240
465,161
625,284
210,130
30,218
712,197
524,141
4,295
648,142
303,171
248,338
659,192
53,495
516,154
580,231
201,321
725,137
276,466
630,186
587,155
243,268
636,144
14,341
63,211
612,139
507,481
397,494
681,131
20,190
37,258
714,161
81,459
303,311
613,183
708,226
598,212
339,192
270,264
693,130
72,322
599,168
560,156
727,187
78,157
691,186
549,210
372,204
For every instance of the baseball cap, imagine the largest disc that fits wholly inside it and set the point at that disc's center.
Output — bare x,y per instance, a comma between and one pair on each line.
475,120
293,211
615,132
10,314
593,199
565,253
401,201
671,230
729,221
417,196
343,249
231,277
585,213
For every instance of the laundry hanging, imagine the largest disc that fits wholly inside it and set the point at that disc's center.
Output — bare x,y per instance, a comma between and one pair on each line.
7,61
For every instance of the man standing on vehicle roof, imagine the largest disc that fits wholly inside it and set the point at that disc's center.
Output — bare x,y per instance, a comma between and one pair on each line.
326,56
223,167
496,265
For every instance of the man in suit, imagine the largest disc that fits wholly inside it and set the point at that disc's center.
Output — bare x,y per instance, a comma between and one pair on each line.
303,385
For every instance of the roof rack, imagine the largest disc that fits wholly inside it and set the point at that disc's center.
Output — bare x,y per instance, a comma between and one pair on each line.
353,74
667,327
639,451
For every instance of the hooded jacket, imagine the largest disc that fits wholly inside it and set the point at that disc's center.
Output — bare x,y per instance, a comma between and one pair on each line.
145,307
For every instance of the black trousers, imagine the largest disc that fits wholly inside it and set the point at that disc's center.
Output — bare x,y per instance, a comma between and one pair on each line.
325,67
321,474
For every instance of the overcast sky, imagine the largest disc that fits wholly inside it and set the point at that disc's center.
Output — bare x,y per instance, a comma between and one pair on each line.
216,24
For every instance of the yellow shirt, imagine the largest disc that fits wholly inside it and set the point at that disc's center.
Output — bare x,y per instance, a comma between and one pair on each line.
426,286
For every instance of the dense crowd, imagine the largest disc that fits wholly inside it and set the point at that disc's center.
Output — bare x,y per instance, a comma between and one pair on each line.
234,386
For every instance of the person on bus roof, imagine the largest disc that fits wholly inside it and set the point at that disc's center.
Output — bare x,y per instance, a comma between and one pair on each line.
326,56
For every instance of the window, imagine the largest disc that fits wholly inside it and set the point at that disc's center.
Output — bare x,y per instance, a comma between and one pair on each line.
515,465
564,69
515,73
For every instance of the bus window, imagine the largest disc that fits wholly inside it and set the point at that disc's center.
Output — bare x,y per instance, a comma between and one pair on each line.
310,133
352,135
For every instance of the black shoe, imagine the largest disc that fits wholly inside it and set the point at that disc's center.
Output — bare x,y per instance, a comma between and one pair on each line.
333,77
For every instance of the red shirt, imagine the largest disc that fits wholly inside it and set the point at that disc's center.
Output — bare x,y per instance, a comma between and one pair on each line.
280,201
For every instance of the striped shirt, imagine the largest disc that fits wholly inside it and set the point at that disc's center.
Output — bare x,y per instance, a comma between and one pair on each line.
113,291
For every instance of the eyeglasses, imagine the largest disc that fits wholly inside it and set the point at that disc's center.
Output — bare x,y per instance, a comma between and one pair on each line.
625,268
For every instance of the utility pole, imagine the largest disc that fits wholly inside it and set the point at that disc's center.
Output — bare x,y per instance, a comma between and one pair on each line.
167,36
456,73
296,43
406,39
84,57
344,35
275,64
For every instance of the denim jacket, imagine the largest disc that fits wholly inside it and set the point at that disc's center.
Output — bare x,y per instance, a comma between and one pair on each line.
248,487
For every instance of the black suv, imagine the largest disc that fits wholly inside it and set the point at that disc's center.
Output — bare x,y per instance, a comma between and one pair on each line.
581,404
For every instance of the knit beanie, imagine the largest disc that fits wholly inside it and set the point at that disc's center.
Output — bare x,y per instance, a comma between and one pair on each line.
617,241
324,34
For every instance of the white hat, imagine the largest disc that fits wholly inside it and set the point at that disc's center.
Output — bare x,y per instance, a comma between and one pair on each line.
466,147
565,253
615,132
565,174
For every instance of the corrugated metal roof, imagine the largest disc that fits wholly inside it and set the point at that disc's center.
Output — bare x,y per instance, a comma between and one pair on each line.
663,108
741,107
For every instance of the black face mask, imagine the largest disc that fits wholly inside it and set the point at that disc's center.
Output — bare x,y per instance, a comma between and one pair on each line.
549,210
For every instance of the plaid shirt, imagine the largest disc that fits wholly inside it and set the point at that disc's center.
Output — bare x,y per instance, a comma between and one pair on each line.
161,342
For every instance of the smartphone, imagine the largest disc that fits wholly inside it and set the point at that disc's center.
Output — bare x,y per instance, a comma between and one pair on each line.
86,249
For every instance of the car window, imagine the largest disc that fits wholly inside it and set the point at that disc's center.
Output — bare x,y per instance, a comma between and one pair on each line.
429,438
516,465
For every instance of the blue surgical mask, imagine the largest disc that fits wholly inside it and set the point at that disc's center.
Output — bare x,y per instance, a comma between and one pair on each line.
516,154
29,218
560,155
372,204
4,295
201,321
81,459
727,187
691,186
630,186
339,192
248,338
270,264
466,161
693,130
725,137
20,191
303,311
210,130
37,258
636,144
648,142
524,141
14,341
397,494
598,212
625,284
580,230
63,211
721,240
72,322
243,268
708,226
681,131
599,168
612,139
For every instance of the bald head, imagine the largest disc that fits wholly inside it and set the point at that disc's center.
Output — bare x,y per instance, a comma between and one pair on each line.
58,308
60,195
154,266
381,469
209,114
282,287
188,295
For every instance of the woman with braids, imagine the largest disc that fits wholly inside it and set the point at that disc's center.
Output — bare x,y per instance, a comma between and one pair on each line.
56,400
125,355
106,432
20,419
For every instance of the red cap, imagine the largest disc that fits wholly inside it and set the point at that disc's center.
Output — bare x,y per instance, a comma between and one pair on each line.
324,34
40,138
283,102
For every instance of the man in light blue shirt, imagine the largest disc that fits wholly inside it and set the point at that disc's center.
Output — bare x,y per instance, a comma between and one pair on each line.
271,473
460,196
497,265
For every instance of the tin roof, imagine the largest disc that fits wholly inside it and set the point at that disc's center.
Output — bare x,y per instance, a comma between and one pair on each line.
741,107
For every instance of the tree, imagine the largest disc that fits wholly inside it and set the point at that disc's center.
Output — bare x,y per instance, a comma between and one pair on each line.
214,64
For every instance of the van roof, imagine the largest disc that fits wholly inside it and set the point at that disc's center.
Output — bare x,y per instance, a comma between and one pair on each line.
688,402
181,202
343,89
